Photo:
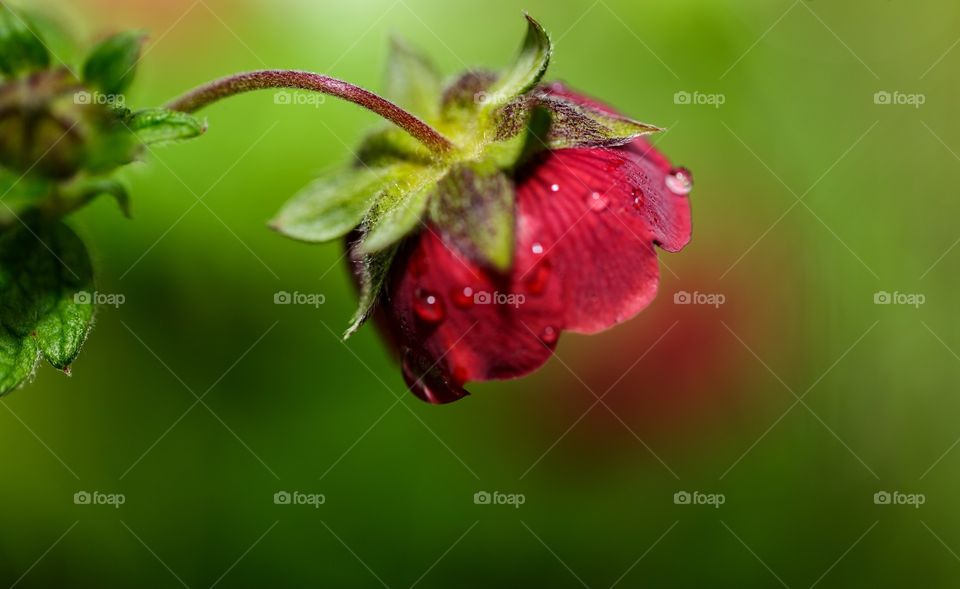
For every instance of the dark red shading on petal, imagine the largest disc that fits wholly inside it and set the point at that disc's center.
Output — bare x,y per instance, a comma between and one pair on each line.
453,321
587,223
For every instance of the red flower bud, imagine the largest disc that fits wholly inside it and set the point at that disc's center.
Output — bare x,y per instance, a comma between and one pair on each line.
586,225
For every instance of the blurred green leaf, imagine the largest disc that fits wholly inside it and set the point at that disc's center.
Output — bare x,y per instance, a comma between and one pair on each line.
112,64
21,48
46,290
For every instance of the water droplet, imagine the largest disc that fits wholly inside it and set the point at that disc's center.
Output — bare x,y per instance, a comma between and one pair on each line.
638,199
462,297
537,248
428,307
555,188
549,335
680,181
537,278
597,202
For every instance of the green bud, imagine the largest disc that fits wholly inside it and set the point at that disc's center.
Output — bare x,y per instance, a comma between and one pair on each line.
41,126
113,63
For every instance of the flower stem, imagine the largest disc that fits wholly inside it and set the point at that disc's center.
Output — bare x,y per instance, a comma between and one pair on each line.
259,80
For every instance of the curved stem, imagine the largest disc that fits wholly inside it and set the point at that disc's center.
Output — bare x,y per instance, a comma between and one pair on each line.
260,80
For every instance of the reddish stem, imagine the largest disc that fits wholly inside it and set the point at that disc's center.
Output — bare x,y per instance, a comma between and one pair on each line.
260,80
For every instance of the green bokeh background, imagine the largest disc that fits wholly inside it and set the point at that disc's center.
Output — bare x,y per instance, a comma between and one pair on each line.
700,398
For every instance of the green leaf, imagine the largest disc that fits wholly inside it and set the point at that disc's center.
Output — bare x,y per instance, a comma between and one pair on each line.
332,206
112,65
526,71
18,360
159,125
21,49
579,125
375,269
412,81
398,211
474,211
46,285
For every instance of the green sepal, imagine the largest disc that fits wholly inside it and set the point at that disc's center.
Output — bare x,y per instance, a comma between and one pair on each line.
46,286
578,125
112,64
21,49
474,210
85,190
527,70
412,80
398,211
391,145
374,271
333,205
572,124
159,125
523,137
